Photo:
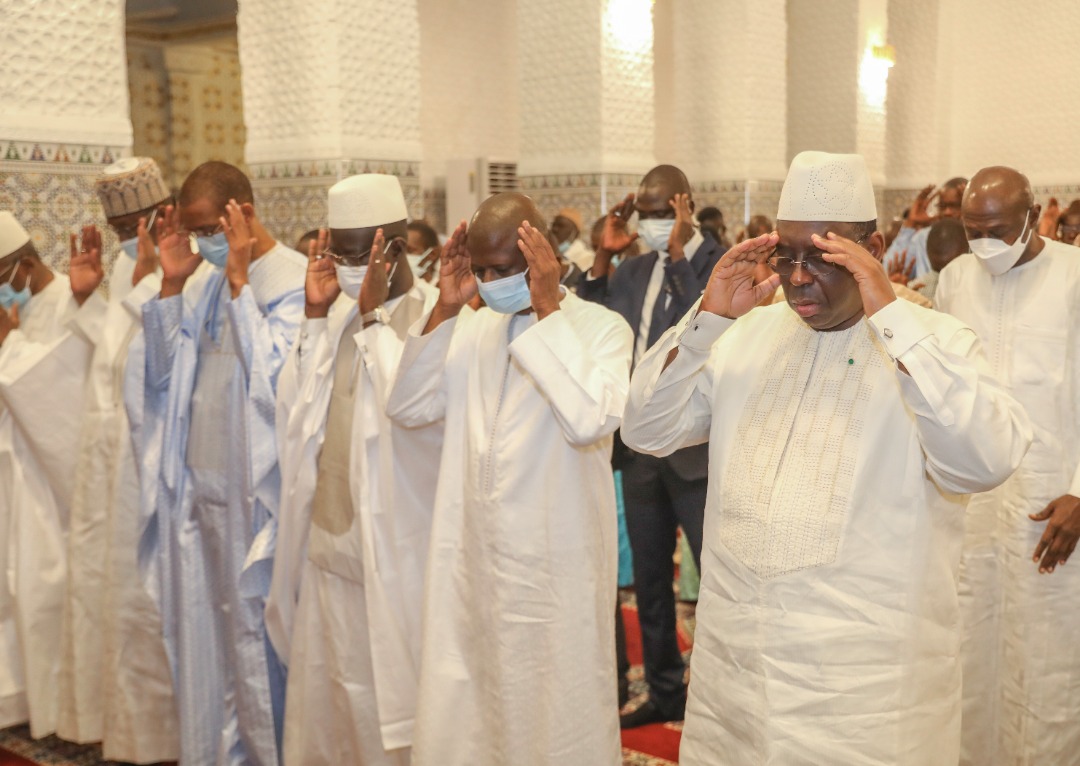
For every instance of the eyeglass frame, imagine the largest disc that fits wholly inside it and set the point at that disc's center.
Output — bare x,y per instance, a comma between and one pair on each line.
360,260
824,268
132,231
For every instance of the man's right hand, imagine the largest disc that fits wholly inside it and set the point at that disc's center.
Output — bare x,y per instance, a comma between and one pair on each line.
731,291
177,261
918,215
902,269
457,284
321,287
1048,223
616,236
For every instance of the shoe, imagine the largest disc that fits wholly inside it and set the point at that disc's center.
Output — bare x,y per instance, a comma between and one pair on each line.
649,712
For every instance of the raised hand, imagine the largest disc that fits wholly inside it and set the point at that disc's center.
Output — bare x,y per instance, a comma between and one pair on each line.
919,213
177,261
146,259
545,271
457,285
617,236
1059,538
731,291
9,321
85,270
241,245
1048,223
902,269
683,230
321,286
376,287
874,286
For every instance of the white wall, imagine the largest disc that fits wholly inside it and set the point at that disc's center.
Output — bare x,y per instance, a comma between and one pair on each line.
468,82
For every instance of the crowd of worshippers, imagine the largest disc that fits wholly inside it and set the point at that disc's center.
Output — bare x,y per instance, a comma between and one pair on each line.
355,502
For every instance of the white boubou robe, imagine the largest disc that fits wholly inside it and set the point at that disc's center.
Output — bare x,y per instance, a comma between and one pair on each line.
827,622
357,499
517,661
1021,656
200,392
44,367
115,682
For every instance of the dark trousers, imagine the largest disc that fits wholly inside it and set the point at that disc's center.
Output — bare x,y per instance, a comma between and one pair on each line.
658,501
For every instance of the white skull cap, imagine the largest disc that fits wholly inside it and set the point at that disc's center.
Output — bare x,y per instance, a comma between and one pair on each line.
827,187
369,199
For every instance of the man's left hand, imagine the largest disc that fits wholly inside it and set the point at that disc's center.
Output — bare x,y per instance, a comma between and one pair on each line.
874,286
544,269
85,270
683,230
376,287
1059,538
241,245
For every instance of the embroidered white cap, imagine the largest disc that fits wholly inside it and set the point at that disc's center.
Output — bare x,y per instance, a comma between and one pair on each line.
12,234
827,187
369,199
131,185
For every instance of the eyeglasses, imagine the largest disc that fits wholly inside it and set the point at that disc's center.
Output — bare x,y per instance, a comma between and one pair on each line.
396,246
814,264
205,231
132,230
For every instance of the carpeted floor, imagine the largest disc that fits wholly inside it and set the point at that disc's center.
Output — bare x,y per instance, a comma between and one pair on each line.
656,745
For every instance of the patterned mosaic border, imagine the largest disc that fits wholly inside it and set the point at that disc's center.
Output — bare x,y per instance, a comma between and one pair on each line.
320,171
63,154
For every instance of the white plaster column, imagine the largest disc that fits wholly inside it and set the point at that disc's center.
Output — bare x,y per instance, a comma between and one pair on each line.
836,88
63,112
586,101
330,89
727,119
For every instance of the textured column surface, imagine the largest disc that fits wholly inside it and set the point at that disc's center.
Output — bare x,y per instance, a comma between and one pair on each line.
63,112
586,100
727,119
330,89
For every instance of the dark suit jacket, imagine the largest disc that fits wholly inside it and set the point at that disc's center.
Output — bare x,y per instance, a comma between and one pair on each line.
624,293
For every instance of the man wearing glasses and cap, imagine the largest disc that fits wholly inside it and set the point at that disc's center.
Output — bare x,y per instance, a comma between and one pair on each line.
844,429
357,493
115,684
48,329
200,391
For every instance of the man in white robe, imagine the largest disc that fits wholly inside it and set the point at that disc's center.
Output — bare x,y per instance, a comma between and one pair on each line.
49,326
200,392
1021,294
115,684
357,493
517,663
842,428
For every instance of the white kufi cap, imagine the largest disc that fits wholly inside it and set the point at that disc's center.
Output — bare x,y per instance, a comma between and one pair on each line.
131,185
827,187
12,234
370,199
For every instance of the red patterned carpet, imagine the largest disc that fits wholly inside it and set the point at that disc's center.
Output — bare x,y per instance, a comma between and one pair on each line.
657,744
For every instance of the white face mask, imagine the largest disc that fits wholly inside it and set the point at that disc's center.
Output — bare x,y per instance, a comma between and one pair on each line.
415,260
351,279
996,255
656,232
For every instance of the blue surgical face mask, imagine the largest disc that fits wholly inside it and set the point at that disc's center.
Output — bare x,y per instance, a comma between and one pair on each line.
508,295
214,249
564,246
656,232
9,296
130,248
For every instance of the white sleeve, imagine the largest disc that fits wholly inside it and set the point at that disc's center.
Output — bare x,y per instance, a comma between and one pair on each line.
672,408
974,434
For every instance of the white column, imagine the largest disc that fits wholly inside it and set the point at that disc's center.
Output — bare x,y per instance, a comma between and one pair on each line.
728,115
330,89
837,87
63,113
586,100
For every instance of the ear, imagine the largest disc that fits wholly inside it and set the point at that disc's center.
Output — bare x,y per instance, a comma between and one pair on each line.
875,245
248,210
1036,209
693,207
